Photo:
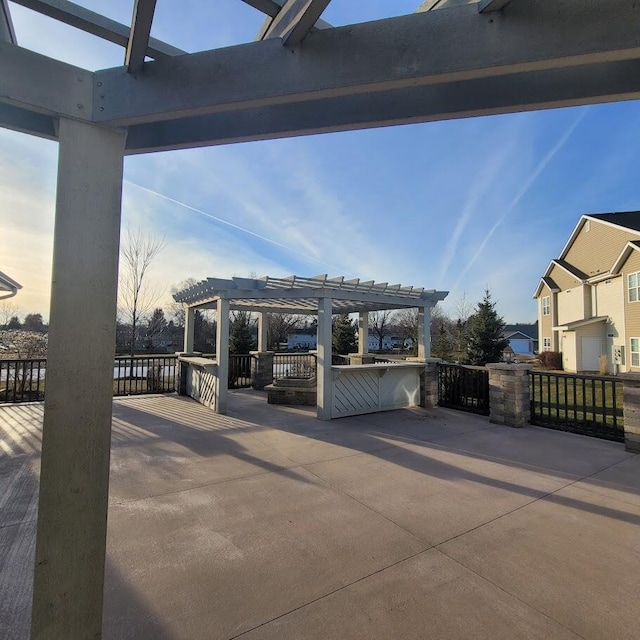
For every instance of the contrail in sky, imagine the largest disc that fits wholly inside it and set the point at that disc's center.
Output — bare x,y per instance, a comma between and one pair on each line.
523,190
232,225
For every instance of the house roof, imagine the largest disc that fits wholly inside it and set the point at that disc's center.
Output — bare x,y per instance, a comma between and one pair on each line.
632,245
549,282
627,219
515,334
569,268
528,330
571,326
298,294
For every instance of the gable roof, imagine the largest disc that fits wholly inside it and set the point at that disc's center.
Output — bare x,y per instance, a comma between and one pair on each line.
627,219
549,282
516,334
528,330
569,268
632,245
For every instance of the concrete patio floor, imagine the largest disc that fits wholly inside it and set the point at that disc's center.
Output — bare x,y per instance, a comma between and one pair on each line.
267,523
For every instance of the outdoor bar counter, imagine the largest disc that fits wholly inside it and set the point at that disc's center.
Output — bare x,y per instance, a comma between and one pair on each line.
367,388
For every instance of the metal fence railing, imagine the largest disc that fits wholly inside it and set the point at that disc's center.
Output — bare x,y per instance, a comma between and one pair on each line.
465,388
590,405
239,371
294,365
144,374
22,380
25,380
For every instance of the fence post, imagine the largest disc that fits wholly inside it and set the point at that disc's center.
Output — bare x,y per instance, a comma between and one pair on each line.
261,369
428,381
631,409
509,395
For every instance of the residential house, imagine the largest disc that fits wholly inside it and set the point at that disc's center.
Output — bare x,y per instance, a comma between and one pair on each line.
589,297
302,340
523,338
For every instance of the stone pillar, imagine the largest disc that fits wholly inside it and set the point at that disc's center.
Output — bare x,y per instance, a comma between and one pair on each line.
424,332
324,359
189,328
74,477
631,403
222,354
509,395
261,369
363,333
263,329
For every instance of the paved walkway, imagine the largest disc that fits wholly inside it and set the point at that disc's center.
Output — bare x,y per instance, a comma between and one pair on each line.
410,524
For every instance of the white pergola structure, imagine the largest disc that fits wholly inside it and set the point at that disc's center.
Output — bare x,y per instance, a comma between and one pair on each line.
300,76
321,296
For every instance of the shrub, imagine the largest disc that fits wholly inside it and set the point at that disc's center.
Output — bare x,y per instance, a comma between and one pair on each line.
551,359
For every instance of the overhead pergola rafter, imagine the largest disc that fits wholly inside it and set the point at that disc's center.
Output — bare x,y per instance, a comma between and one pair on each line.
297,294
488,58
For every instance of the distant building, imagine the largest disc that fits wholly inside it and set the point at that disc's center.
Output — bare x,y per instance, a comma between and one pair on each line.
302,340
523,338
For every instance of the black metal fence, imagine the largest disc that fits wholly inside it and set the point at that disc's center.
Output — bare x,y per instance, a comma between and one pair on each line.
590,405
464,388
294,365
144,374
25,380
239,371
22,380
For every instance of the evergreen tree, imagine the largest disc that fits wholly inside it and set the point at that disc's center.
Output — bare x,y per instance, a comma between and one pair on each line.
344,335
443,345
241,333
486,342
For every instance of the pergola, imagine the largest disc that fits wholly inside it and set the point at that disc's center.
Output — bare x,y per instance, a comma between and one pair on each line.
295,294
301,76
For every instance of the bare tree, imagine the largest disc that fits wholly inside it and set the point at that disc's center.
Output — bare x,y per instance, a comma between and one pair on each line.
8,310
177,309
138,252
407,322
280,324
378,321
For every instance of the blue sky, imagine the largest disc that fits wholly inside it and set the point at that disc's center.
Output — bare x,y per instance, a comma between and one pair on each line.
458,205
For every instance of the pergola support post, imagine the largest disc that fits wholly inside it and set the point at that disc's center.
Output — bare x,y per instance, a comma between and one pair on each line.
263,328
324,379
74,478
424,332
189,329
222,354
363,332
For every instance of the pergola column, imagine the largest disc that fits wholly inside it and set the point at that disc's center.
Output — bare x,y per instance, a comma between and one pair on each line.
324,359
74,478
263,328
189,329
424,332
222,353
363,332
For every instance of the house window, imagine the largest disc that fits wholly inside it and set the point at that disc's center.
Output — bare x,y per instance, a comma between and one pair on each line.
633,282
546,305
635,352
546,344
